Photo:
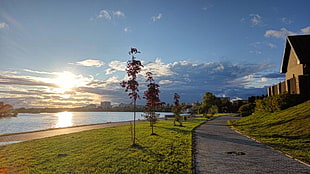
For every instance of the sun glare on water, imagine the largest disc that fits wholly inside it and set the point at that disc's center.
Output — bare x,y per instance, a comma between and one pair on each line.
64,119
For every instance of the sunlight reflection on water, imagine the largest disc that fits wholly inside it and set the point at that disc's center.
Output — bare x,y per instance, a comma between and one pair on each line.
26,122
64,119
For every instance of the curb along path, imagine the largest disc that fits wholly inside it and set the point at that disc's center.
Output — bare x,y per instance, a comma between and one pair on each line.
219,149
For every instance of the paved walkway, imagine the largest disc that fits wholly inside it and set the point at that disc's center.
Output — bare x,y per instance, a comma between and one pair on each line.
19,137
219,149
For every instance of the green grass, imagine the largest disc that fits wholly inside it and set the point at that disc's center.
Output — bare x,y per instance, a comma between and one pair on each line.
287,130
105,150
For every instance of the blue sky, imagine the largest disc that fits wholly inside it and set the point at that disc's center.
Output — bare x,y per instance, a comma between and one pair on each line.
73,53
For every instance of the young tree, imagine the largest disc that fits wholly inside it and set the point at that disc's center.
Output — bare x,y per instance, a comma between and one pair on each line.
176,109
153,101
133,68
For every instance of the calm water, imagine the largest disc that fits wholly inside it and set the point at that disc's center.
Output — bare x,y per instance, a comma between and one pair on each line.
30,122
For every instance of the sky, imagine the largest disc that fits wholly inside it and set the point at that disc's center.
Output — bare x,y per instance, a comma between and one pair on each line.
72,53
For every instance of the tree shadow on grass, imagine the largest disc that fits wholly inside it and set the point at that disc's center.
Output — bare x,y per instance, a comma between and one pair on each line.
177,129
137,146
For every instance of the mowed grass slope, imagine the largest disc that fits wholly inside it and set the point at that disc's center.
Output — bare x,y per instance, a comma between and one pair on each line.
105,150
287,130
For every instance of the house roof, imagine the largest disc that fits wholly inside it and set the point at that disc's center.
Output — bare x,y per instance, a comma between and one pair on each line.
300,44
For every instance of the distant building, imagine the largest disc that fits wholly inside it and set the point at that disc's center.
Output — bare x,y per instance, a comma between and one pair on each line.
91,106
106,105
224,99
239,101
296,66
123,105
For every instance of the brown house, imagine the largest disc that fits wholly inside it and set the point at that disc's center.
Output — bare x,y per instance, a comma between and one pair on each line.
296,66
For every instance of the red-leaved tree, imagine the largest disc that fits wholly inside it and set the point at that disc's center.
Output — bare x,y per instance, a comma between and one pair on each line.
133,69
152,100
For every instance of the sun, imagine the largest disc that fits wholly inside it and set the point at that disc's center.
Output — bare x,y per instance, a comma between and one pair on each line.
66,80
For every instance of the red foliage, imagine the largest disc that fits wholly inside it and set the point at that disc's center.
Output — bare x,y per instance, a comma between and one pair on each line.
133,68
152,93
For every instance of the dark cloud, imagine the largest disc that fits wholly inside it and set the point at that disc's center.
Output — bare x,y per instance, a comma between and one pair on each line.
274,75
189,80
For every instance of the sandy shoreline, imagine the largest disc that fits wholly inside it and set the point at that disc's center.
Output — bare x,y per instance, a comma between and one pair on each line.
25,136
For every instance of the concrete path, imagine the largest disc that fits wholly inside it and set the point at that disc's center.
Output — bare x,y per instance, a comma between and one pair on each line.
19,137
219,149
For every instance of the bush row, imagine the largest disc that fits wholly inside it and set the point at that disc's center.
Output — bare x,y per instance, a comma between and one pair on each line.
277,103
272,104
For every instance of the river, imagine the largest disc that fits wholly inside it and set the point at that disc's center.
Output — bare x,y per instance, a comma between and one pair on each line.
25,122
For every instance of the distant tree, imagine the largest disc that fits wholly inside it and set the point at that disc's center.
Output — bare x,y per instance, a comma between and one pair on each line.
152,100
176,109
7,110
133,68
208,101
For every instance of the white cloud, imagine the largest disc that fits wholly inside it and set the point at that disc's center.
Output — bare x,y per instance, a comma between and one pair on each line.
305,30
283,32
156,18
256,19
118,13
116,66
127,29
3,25
104,14
279,34
165,82
158,68
263,79
113,79
90,62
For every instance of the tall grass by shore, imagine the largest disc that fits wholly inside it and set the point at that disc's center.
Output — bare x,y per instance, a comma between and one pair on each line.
105,150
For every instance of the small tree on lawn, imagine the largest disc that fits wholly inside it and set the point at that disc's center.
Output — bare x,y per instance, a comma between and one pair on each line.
176,109
133,68
153,101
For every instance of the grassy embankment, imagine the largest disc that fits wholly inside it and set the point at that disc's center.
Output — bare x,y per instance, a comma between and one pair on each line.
105,150
287,130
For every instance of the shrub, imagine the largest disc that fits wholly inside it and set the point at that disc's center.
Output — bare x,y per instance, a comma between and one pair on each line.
277,103
246,109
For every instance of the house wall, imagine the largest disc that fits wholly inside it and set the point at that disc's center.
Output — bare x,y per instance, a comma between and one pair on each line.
293,68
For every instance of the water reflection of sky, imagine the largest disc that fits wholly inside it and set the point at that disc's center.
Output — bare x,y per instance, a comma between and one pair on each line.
64,119
25,122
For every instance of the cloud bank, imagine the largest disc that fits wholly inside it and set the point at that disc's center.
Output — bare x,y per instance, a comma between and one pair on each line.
190,80
283,32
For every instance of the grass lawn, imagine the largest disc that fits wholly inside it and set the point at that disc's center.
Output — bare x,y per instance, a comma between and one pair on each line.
287,130
106,150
